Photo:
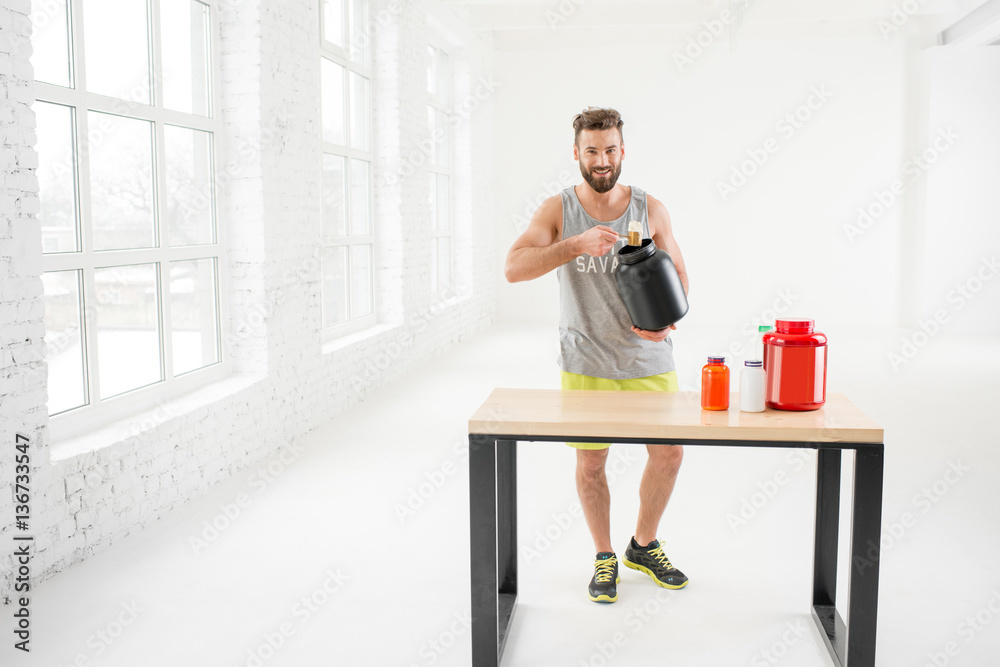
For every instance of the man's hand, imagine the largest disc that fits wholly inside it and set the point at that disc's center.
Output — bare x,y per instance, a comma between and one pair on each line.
654,336
596,241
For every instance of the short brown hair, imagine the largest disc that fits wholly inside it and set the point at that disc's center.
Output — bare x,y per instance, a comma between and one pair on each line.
597,118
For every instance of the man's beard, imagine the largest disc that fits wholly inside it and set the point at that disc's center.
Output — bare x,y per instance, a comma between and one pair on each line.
602,184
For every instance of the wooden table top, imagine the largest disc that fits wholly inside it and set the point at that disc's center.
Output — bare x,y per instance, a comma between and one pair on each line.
651,414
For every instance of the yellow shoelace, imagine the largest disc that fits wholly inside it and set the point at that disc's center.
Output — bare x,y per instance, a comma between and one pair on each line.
605,569
661,557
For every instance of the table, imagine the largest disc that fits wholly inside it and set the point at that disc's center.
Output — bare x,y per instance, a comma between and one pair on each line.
512,415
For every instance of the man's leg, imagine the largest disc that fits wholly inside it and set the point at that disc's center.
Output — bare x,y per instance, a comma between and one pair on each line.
644,552
595,499
654,491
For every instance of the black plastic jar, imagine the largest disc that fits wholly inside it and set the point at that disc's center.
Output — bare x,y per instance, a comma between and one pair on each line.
650,287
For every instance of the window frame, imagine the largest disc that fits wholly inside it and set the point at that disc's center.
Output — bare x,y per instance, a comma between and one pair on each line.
97,412
327,244
443,105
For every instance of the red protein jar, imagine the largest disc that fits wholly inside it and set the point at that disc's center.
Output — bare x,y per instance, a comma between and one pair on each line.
795,364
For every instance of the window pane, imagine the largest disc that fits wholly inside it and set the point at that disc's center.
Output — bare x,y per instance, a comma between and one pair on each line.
334,82
189,193
431,70
432,155
360,198
56,178
442,256
438,128
443,203
117,49
333,21
361,280
360,37
335,308
50,42
443,62
128,327
432,197
334,199
194,303
64,341
184,27
359,112
121,182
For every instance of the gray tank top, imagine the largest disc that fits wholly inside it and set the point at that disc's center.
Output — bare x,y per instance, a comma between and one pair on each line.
595,331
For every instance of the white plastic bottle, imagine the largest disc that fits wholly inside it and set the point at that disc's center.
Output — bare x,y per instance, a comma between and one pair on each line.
752,386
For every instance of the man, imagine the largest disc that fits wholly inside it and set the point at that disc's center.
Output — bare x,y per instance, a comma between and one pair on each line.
577,233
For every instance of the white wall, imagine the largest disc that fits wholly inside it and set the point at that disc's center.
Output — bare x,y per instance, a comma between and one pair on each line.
90,492
792,232
962,237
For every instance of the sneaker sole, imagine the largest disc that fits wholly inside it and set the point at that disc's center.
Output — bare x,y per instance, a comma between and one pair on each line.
641,568
605,598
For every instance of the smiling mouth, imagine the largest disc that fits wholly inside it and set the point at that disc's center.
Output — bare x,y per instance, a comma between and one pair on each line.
602,173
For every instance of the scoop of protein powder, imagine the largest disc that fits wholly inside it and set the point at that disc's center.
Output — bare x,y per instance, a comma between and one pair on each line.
634,232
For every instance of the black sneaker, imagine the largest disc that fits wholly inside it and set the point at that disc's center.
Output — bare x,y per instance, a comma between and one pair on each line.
603,587
655,563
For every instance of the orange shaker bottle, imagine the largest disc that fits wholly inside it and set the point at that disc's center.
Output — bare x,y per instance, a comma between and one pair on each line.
715,384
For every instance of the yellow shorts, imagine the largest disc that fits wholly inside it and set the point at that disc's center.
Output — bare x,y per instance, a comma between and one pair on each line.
663,382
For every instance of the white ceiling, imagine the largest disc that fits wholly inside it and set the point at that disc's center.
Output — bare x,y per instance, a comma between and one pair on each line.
516,23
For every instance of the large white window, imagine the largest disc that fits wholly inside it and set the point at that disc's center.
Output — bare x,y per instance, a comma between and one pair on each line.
126,137
439,170
347,234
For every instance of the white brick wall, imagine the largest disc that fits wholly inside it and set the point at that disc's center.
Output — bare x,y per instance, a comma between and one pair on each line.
22,365
101,487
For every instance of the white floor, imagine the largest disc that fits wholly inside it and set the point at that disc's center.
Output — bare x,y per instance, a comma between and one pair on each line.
354,550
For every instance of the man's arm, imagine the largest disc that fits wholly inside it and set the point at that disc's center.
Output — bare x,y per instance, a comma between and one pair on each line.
537,251
663,236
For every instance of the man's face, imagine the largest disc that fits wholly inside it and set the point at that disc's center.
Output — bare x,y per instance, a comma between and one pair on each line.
600,155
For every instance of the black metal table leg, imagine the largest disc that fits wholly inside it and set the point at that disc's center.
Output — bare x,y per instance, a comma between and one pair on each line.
506,535
866,528
483,548
824,599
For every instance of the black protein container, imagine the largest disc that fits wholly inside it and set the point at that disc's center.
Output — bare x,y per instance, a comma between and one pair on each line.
650,287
